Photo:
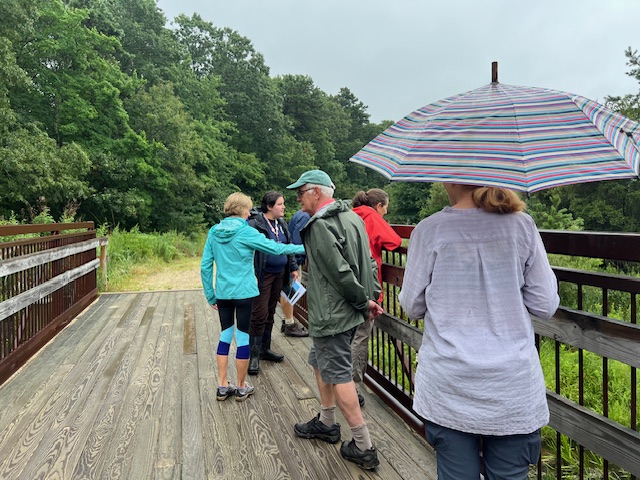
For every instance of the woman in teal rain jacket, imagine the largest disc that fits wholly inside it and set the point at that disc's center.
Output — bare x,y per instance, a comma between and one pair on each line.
231,245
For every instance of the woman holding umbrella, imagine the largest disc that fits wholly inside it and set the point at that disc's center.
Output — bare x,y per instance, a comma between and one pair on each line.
475,272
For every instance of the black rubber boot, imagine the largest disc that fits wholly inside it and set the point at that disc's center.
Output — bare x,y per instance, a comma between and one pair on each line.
265,352
255,342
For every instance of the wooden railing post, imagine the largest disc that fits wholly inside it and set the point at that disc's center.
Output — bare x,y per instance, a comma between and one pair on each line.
103,260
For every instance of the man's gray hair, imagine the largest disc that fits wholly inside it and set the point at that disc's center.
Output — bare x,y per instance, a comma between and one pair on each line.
326,191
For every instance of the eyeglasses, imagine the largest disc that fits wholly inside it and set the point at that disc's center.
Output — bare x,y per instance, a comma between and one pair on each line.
302,192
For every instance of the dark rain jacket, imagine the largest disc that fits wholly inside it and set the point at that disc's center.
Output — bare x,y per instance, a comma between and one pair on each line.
342,275
256,220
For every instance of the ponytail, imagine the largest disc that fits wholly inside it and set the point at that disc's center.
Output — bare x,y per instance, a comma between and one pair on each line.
370,198
498,200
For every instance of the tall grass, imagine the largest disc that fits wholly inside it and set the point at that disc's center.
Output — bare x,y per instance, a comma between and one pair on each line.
619,401
127,249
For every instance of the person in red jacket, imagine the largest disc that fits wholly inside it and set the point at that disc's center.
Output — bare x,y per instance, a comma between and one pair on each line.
371,206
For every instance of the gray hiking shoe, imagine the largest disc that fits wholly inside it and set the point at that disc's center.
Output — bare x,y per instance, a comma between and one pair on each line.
224,392
243,393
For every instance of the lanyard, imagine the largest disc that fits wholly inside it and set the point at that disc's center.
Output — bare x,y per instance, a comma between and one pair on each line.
276,228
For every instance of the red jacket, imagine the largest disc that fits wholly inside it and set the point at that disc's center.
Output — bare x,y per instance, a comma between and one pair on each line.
380,234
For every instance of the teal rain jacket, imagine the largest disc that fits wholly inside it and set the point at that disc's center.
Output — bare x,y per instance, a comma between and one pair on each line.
231,245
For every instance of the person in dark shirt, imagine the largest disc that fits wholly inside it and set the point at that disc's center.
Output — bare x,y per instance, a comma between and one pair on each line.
272,272
290,327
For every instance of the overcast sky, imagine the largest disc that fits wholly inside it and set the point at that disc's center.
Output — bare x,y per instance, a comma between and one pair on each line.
398,55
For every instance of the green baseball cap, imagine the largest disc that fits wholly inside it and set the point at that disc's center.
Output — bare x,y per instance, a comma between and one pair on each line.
316,177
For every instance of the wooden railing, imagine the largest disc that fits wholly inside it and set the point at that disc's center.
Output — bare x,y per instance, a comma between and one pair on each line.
588,442
47,277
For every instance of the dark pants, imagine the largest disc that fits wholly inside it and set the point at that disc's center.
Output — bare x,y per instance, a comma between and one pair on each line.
264,305
504,457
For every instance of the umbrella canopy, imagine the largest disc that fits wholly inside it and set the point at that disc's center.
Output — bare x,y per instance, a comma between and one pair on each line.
522,138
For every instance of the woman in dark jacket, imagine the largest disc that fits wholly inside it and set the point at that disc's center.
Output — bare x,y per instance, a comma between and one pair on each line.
272,271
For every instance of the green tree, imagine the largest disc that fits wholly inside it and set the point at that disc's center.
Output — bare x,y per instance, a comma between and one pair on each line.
548,214
34,170
252,101
76,82
359,131
76,94
407,200
628,105
436,200
611,206
149,50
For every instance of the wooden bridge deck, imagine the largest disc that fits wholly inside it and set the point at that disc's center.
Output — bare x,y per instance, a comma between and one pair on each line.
127,391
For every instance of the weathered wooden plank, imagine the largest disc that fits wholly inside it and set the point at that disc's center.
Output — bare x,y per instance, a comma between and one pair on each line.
63,403
158,363
8,230
206,339
167,458
19,390
142,456
58,451
167,472
257,450
610,245
603,336
96,452
189,342
395,327
24,262
409,454
48,369
605,437
597,279
22,300
220,443
192,447
140,394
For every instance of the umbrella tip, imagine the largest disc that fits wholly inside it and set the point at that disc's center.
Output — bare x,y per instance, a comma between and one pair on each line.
494,72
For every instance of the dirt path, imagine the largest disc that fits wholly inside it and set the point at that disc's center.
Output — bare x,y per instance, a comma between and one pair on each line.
180,274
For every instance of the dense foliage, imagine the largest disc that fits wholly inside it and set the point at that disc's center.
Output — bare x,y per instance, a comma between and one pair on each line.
109,112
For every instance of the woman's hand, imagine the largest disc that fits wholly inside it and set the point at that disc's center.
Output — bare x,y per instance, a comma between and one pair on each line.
214,306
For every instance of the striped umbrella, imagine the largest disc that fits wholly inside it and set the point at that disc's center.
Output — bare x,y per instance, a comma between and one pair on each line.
522,138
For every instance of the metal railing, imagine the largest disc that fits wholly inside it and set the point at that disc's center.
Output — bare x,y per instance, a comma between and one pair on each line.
47,277
585,350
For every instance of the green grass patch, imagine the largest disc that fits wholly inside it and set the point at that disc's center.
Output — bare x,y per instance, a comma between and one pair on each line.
131,251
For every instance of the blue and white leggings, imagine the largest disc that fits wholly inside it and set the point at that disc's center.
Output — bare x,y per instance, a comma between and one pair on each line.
241,310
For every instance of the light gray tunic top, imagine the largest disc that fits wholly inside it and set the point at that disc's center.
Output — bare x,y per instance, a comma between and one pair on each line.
475,277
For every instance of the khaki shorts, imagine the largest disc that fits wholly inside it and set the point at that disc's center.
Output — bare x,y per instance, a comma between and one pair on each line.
332,357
